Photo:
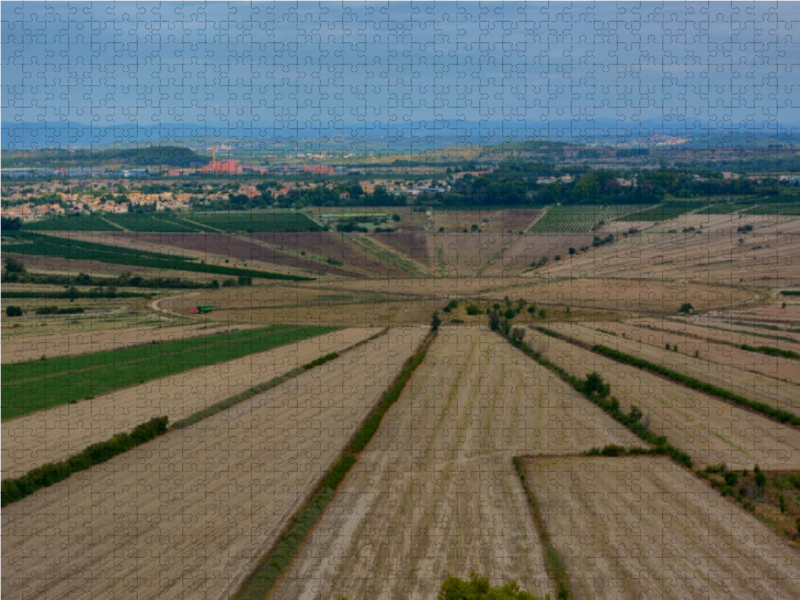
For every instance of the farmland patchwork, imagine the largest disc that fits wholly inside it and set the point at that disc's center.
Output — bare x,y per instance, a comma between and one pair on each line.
346,300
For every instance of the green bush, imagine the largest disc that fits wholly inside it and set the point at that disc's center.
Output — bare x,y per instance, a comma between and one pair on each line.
478,588
13,311
473,310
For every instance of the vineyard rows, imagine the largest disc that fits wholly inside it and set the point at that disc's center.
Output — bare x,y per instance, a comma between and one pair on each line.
580,219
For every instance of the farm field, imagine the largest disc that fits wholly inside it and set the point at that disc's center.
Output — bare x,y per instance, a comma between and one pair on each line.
489,221
642,527
334,246
65,341
210,499
712,253
464,254
709,429
580,219
57,433
180,223
530,248
754,386
780,340
32,386
435,492
713,352
663,212
759,330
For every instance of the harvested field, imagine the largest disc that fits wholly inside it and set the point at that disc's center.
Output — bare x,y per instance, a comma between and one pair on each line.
758,330
643,527
435,492
464,254
417,247
210,499
780,340
489,221
55,434
709,429
333,245
58,344
713,353
769,390
531,248
242,252
769,255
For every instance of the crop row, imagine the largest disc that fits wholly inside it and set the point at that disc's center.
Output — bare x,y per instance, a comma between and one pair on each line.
32,386
42,245
579,219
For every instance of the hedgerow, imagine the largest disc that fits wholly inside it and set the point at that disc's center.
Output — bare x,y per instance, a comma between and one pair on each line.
18,488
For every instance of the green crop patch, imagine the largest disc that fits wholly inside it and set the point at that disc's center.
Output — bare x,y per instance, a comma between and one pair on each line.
37,385
580,219
256,221
663,212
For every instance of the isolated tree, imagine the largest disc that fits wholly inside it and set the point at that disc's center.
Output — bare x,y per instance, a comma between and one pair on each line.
436,321
596,386
13,311
686,308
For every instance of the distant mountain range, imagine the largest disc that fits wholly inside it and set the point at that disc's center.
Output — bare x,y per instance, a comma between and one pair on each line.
422,134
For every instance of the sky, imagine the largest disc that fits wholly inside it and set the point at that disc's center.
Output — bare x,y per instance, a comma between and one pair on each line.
326,64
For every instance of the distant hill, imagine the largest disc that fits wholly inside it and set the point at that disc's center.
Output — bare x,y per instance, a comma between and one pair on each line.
172,156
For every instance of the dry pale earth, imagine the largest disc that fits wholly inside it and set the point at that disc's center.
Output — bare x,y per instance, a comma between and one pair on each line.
435,492
709,429
735,378
643,527
52,435
189,514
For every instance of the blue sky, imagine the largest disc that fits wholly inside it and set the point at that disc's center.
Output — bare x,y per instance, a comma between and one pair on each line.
318,64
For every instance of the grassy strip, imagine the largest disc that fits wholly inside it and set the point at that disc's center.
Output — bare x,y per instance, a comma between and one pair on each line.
601,397
774,413
22,397
553,561
770,351
73,295
285,549
321,360
13,490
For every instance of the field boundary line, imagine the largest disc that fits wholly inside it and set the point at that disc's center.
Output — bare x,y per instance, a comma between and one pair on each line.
15,489
553,562
294,534
774,414
115,225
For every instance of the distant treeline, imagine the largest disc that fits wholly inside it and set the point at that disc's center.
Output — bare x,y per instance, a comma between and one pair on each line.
173,156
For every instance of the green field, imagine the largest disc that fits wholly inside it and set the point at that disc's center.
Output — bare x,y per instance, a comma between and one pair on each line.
256,221
200,222
42,245
580,219
790,209
36,385
663,212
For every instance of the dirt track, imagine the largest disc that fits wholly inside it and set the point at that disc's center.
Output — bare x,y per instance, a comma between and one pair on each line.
641,527
436,491
710,430
190,514
55,434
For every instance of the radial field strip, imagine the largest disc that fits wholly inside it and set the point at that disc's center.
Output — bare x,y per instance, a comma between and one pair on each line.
75,378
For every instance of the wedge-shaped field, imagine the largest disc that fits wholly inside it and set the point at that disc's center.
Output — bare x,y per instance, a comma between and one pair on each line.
64,340
733,377
435,491
724,333
643,527
55,434
709,429
712,353
190,514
